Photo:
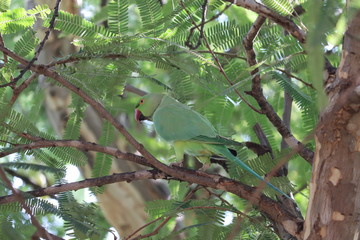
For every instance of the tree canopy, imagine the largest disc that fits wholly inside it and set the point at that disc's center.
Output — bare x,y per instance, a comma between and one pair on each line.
259,71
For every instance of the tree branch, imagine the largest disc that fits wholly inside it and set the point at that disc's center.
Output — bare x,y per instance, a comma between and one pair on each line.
19,89
81,145
130,88
20,198
222,71
82,58
92,182
271,207
25,179
200,27
265,12
258,94
187,197
41,46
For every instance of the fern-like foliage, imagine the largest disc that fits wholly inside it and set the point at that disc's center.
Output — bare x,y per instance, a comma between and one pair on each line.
151,14
118,16
4,5
103,161
15,226
283,7
142,43
74,24
17,123
80,219
178,189
226,35
262,165
40,207
15,20
26,43
300,98
72,129
34,167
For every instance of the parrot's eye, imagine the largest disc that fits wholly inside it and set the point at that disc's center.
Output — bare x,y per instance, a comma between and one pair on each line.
141,101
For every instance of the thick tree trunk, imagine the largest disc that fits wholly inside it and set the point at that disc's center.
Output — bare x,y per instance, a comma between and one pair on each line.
334,205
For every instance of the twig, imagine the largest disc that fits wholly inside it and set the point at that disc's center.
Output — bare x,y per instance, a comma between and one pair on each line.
19,89
144,226
263,11
218,14
91,182
156,230
41,46
234,55
223,200
17,194
3,141
269,206
257,93
201,26
3,44
81,145
187,197
222,71
262,138
303,187
286,117
135,90
25,179
230,205
81,58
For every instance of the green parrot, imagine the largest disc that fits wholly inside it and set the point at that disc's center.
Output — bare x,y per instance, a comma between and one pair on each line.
188,131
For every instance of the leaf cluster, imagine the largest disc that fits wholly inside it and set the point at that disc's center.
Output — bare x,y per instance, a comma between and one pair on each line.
143,45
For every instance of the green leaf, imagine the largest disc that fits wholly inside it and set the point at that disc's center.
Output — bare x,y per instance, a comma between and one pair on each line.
43,10
151,14
74,24
34,167
26,44
301,99
118,16
103,161
283,7
72,129
4,5
158,208
15,20
18,19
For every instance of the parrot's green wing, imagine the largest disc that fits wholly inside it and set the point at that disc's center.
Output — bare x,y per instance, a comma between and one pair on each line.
175,121
188,130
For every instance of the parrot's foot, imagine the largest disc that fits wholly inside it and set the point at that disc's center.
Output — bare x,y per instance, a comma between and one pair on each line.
176,164
205,167
202,171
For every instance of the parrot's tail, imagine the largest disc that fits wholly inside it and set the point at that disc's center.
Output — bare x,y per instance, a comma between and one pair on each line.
226,153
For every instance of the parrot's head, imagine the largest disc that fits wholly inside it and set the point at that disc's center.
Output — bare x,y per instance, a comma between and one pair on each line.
147,106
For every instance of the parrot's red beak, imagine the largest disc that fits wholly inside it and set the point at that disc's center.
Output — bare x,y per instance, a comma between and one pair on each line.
137,115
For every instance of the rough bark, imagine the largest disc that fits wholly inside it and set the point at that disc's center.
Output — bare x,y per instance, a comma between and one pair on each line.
333,211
